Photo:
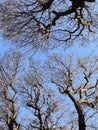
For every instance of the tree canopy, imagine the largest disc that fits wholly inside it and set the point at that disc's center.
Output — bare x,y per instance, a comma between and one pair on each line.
48,22
61,91
57,96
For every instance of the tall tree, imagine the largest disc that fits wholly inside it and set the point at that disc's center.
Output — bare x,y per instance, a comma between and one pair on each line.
25,100
77,78
39,23
41,102
9,67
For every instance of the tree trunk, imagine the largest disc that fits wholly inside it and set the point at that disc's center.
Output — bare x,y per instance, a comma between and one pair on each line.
11,127
81,121
81,117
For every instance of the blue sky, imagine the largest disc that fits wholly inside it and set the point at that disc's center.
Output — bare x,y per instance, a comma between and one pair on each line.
92,48
4,45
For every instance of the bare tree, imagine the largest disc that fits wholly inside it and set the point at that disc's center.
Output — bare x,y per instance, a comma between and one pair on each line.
39,23
26,101
9,66
40,102
77,78
42,107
